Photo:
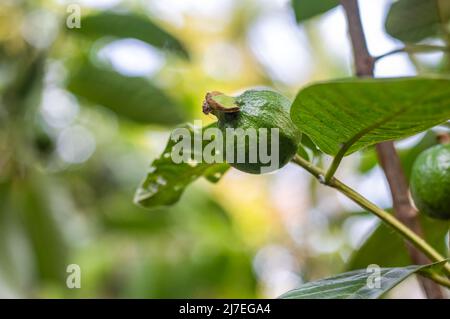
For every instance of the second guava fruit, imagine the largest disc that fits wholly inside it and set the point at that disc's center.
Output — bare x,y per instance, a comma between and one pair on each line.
430,182
256,109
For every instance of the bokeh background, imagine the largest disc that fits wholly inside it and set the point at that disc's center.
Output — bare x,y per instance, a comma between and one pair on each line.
73,151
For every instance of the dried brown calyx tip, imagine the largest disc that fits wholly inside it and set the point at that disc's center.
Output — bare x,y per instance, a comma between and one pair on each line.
217,101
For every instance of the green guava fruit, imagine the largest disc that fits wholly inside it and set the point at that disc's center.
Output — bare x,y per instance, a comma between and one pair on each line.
430,182
254,110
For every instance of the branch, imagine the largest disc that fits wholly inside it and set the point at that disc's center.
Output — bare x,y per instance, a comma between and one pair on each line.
364,62
390,162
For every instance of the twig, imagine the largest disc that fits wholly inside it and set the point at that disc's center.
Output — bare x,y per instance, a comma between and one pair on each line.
414,48
390,162
399,50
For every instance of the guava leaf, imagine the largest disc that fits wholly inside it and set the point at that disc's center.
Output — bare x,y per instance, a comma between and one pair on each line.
134,98
307,9
407,156
30,202
302,152
415,20
166,180
306,142
355,113
128,25
355,284
215,172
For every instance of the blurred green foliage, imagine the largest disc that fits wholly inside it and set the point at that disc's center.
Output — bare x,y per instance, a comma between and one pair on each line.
392,252
415,20
306,9
77,136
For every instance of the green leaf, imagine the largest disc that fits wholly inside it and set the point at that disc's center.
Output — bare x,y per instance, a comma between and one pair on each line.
415,20
134,98
307,9
31,203
407,156
8,267
368,161
215,172
352,114
354,284
302,152
394,251
128,25
306,142
166,181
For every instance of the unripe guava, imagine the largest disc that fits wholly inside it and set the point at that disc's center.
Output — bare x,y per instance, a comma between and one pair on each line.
430,182
256,110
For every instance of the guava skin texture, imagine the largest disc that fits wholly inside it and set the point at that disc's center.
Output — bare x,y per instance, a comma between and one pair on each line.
430,182
261,109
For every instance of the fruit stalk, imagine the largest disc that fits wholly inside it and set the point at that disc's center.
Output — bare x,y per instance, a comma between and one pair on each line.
386,217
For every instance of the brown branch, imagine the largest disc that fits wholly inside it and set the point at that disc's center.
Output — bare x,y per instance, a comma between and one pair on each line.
390,162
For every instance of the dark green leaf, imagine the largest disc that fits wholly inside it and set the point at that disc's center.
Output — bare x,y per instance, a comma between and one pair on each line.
166,180
44,235
7,265
216,172
356,113
308,143
354,284
407,156
393,252
128,25
415,20
368,161
134,98
306,9
302,152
